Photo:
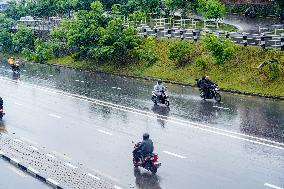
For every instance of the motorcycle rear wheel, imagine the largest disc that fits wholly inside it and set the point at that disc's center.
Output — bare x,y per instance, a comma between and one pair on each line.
154,169
218,97
167,103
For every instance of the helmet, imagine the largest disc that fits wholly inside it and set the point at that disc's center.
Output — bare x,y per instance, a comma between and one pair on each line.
146,136
160,82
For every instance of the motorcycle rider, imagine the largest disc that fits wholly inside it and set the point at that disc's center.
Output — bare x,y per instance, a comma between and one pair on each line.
205,84
144,149
159,89
1,103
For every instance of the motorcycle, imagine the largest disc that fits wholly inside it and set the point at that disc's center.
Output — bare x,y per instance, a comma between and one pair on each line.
212,93
15,67
149,162
1,113
163,99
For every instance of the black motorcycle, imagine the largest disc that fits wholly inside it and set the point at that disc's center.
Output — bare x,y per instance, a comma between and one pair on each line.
1,112
15,67
211,94
163,99
150,162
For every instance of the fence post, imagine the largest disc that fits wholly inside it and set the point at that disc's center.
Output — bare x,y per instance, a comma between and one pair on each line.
181,32
194,35
145,32
169,33
227,34
262,42
245,40
155,32
282,43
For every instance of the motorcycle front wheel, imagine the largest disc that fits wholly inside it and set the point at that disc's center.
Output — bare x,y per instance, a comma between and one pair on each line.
154,99
218,97
167,103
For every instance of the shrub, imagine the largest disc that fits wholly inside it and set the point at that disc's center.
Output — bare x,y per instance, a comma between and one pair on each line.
147,51
179,51
23,39
272,69
5,42
43,51
221,48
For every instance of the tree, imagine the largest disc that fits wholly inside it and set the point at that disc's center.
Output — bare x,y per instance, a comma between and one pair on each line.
211,9
172,6
5,23
23,39
5,41
92,34
221,48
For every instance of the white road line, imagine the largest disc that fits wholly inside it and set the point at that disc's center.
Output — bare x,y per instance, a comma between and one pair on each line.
272,186
70,165
53,115
221,107
173,154
104,132
34,148
19,104
116,187
51,156
93,176
153,115
17,140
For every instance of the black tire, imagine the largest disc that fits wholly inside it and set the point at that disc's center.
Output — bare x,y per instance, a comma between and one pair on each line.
167,103
154,100
154,169
218,97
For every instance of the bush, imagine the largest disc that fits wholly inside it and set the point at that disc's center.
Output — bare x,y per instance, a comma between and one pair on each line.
179,52
203,61
221,48
43,51
5,42
147,51
23,39
272,69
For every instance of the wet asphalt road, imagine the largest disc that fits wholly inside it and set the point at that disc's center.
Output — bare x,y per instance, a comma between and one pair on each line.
11,178
218,150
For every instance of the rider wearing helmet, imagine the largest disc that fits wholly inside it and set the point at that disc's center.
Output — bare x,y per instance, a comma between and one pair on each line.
145,148
205,84
159,88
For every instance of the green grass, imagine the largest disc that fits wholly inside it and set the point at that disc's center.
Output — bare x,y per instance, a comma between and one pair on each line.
240,73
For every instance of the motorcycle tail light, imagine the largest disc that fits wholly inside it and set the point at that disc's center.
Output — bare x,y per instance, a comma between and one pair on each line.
155,158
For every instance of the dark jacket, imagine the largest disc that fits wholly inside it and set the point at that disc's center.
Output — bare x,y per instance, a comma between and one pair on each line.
146,147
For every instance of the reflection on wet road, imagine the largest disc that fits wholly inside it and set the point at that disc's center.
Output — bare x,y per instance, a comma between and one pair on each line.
233,144
249,115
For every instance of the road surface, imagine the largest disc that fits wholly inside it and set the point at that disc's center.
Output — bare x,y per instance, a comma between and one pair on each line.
236,144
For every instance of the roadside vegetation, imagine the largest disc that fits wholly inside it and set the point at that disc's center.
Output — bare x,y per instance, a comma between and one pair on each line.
98,40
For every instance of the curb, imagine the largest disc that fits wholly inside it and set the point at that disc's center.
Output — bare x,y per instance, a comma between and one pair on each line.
30,171
172,82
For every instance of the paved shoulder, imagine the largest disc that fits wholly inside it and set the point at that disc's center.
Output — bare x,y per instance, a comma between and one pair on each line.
48,168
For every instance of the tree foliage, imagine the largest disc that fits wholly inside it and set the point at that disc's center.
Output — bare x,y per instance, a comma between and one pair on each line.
23,39
94,35
211,9
221,48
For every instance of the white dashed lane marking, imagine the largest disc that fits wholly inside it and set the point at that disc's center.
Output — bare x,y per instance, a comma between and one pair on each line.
272,186
175,155
55,116
104,132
